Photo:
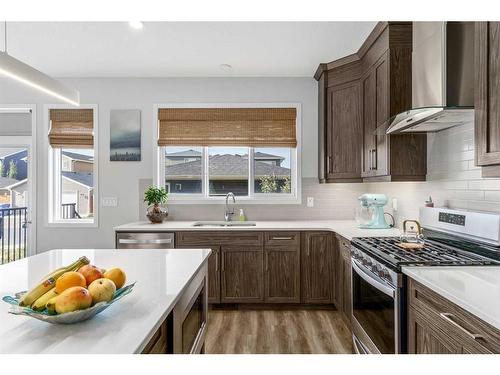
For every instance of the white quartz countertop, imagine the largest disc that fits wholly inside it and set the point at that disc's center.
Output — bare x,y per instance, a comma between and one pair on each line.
475,289
346,228
125,327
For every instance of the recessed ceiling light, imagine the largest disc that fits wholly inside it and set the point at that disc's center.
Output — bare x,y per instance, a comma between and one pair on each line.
138,25
226,67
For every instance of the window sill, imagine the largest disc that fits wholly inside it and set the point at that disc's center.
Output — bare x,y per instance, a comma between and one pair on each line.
82,223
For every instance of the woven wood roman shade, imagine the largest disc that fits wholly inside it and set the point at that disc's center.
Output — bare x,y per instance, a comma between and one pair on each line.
71,128
250,127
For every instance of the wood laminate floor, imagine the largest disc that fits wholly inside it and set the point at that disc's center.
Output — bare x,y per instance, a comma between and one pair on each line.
276,332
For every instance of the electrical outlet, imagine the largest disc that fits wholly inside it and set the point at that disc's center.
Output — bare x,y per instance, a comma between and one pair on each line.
310,201
109,202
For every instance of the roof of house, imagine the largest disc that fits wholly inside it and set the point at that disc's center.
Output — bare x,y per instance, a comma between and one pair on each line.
187,153
5,182
83,178
263,155
77,156
226,165
10,151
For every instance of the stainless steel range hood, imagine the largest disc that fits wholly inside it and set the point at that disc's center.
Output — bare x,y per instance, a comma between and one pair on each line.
442,79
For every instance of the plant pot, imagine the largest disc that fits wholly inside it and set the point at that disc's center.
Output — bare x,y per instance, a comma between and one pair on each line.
156,214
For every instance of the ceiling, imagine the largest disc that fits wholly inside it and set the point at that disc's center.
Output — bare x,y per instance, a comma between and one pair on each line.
182,49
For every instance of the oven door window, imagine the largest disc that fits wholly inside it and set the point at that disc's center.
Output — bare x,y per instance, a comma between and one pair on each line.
374,311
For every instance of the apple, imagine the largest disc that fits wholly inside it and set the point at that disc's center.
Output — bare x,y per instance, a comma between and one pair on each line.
102,290
91,273
72,299
117,276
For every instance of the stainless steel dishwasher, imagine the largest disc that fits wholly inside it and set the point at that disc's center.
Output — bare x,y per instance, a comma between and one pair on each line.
141,240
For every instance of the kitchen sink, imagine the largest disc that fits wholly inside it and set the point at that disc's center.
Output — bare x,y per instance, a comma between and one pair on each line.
224,224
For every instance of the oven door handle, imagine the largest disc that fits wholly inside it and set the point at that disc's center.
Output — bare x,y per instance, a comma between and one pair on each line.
384,288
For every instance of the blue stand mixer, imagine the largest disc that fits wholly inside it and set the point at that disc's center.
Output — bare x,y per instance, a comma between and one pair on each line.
371,213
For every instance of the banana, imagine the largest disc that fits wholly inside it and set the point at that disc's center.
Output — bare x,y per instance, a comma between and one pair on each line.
48,283
51,306
72,267
39,304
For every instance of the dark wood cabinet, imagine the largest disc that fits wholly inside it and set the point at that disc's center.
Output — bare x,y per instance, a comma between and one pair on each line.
357,96
340,124
317,257
342,298
242,278
486,98
436,325
282,267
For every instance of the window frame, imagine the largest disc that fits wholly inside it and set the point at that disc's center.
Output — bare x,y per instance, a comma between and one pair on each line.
294,197
55,179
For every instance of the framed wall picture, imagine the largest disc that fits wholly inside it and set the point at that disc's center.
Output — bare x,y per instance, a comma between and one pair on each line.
125,135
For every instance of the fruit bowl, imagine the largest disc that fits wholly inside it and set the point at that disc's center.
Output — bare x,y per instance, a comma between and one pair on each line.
69,317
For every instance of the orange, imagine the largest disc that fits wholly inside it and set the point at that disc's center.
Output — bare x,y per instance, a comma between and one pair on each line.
117,276
68,280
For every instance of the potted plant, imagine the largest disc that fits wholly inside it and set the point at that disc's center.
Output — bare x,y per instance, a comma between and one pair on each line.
154,197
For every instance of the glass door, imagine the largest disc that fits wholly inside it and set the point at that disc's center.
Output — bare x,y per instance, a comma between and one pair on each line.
15,187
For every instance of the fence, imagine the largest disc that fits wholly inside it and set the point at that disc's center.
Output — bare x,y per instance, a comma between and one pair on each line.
13,240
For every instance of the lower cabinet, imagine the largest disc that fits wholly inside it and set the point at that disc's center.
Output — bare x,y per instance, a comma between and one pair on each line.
282,267
242,274
317,280
342,297
436,325
159,343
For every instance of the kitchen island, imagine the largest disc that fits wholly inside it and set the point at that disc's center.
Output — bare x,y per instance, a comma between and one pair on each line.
170,289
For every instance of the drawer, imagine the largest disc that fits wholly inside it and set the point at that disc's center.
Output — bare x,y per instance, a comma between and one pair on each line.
285,239
220,238
476,335
344,247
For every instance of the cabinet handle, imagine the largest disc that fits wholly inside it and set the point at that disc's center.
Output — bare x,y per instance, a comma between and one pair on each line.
370,163
222,263
374,158
328,161
266,261
282,238
449,318
216,261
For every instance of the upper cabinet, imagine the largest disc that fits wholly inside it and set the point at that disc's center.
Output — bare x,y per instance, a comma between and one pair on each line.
357,95
487,98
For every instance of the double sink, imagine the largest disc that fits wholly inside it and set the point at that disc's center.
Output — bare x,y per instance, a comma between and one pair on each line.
224,224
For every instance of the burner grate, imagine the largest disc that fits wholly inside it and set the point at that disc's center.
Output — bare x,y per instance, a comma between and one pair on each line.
433,253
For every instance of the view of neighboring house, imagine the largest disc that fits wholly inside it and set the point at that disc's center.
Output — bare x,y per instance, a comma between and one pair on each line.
227,172
13,177
78,182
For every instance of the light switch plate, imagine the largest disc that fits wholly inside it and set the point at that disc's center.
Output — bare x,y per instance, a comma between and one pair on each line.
310,201
109,202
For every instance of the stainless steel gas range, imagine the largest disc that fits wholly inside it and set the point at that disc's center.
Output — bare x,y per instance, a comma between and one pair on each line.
452,237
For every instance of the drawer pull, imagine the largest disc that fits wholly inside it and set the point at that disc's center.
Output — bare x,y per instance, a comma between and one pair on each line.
145,242
216,261
449,318
345,244
282,238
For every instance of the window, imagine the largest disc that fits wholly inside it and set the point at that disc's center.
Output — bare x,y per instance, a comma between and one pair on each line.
72,168
247,150
269,172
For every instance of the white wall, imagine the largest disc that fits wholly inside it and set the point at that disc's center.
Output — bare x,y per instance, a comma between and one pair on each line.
123,179
452,178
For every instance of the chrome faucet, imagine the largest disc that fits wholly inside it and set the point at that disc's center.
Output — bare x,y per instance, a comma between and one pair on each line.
229,212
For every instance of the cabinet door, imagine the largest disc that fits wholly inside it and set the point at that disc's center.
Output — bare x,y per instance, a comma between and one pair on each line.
282,267
213,272
380,152
317,280
487,99
242,278
423,338
369,122
346,290
344,129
